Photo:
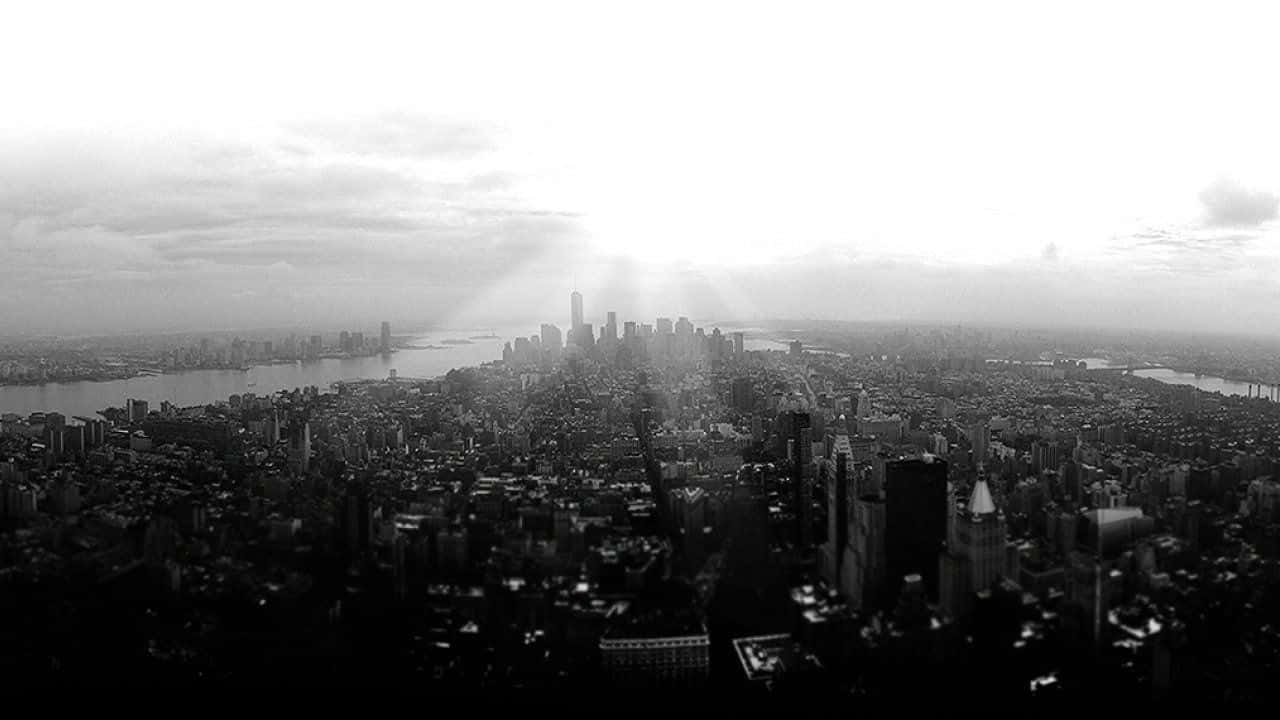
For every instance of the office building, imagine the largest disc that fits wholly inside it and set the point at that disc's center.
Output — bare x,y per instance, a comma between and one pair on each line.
552,343
978,554
800,456
915,520
575,311
639,656
838,494
137,411
978,436
300,446
739,344
384,338
344,341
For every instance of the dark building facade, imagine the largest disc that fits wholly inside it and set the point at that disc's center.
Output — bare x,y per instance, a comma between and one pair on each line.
915,521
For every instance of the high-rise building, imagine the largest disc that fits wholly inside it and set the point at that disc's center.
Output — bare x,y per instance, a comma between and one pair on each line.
575,310
344,341
865,564
838,493
552,343
137,410
314,348
743,394
357,520
357,342
610,327
978,441
978,554
915,520
663,326
864,404
739,344
300,445
800,455
796,349
384,338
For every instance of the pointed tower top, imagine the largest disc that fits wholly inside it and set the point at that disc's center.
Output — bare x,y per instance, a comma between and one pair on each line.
980,502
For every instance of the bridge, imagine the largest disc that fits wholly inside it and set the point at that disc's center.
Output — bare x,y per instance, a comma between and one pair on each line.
1128,369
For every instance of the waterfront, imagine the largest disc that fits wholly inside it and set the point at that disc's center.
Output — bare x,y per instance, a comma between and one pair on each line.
432,355
1207,383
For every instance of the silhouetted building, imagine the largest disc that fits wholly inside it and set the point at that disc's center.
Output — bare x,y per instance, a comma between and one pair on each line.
915,520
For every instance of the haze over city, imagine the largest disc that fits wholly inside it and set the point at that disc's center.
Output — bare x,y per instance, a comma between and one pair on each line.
303,165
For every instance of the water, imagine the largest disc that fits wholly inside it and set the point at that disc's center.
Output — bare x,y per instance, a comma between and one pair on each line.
199,387
1207,383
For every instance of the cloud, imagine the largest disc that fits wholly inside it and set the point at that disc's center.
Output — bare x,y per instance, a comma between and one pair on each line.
1227,203
399,134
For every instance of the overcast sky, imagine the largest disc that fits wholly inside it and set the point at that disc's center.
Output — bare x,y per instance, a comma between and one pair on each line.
467,164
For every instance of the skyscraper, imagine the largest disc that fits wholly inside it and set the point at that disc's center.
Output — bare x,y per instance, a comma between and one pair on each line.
978,441
838,506
300,445
978,555
800,454
864,404
384,343
611,327
551,341
575,310
739,344
915,520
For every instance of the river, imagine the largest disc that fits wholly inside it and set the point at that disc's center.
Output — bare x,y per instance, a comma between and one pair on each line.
435,354
1208,383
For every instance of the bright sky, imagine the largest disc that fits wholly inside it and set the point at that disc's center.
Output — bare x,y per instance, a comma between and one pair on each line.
1086,162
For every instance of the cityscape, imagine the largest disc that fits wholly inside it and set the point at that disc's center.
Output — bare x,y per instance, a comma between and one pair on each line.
753,357
653,505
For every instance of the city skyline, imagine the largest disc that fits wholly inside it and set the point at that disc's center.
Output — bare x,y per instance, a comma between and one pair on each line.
761,355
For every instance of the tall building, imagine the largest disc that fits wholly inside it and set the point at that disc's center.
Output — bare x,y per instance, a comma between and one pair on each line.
137,410
552,344
575,310
316,345
915,520
864,404
357,341
300,445
743,394
357,520
978,437
664,326
978,555
800,455
344,341
384,339
864,565
689,511
795,349
611,327
739,344
838,492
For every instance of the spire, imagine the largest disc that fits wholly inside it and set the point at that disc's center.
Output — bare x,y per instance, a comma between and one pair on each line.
980,502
